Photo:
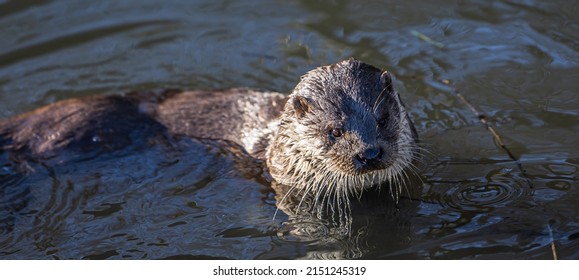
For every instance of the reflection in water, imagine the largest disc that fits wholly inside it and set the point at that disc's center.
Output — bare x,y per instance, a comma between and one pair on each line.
516,61
327,234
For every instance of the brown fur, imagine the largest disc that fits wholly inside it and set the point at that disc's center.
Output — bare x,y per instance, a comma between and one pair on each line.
342,129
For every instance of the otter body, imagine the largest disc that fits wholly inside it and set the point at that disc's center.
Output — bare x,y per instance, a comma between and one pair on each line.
342,129
111,122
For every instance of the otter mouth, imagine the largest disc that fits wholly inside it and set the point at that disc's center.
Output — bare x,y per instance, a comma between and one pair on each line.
372,159
364,170
357,169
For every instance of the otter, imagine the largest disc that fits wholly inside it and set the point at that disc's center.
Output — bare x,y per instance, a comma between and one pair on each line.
342,130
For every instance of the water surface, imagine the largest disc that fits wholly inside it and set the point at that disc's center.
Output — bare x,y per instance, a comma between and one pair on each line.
515,62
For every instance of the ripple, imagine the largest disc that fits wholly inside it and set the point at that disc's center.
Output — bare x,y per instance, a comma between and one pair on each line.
482,196
302,231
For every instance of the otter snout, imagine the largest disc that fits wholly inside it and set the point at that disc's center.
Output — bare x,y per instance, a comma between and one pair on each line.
369,158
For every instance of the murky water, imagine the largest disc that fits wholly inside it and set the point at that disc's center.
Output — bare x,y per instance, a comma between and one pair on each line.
516,62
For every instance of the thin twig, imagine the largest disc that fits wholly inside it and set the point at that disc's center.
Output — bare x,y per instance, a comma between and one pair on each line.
427,39
553,248
483,119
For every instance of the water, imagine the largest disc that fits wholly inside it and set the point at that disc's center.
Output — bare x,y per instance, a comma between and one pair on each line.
514,61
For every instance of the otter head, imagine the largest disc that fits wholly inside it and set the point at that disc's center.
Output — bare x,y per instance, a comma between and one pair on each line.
343,129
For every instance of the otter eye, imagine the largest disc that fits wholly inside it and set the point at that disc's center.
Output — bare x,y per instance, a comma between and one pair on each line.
336,132
383,121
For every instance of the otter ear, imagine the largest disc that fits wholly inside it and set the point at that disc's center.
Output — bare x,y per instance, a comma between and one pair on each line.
386,79
301,106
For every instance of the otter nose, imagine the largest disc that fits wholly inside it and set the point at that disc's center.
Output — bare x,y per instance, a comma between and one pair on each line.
370,156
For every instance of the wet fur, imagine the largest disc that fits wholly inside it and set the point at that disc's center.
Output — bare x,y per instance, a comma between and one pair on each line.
360,100
292,134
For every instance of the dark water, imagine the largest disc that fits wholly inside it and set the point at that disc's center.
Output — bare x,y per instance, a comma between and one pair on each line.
516,62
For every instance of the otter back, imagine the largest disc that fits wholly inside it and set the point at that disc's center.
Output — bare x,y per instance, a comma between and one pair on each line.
112,122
